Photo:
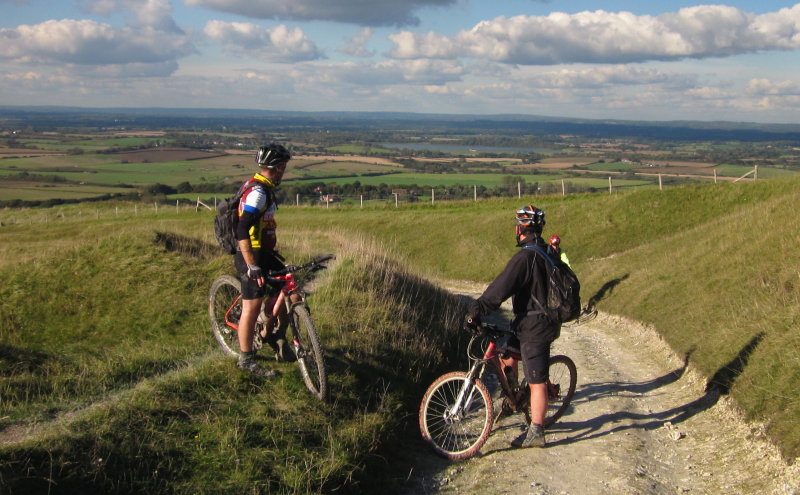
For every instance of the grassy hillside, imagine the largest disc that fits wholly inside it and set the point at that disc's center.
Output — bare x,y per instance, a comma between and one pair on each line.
105,351
104,339
712,267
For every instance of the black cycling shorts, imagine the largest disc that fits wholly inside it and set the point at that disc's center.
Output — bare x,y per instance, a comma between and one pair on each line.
536,334
250,288
535,361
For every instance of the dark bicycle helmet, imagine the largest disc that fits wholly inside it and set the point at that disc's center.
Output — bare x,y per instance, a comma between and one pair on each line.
272,154
530,217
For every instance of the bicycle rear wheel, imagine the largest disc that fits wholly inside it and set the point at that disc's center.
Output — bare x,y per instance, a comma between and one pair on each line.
224,310
308,350
560,387
455,434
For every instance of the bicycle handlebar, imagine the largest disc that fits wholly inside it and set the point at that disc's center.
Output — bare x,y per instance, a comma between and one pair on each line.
493,330
315,263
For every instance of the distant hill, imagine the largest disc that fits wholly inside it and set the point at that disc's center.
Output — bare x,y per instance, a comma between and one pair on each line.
50,116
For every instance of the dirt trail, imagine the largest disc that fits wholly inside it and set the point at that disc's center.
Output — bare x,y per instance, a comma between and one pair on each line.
642,423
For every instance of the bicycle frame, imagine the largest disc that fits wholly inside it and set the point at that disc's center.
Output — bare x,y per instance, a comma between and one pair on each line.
490,356
284,298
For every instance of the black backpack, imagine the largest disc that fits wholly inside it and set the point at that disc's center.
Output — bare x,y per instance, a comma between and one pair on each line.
226,220
563,290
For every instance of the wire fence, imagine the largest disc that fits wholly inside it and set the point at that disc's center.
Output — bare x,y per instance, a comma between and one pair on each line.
208,202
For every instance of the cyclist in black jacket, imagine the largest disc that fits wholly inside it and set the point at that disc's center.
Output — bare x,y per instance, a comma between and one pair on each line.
524,278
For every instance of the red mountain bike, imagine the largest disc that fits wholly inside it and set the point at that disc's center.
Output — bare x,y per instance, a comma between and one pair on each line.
225,309
457,413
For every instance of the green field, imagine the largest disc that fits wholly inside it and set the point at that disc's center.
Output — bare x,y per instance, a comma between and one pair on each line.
159,397
729,170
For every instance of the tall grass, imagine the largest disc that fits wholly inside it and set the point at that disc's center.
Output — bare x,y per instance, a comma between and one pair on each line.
105,353
712,267
103,335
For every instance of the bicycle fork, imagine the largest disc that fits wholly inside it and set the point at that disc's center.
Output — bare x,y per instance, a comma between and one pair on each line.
466,395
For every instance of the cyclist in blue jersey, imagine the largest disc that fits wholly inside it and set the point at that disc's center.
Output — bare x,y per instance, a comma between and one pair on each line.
255,253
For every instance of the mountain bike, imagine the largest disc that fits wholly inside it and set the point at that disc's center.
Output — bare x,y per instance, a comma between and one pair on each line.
225,309
457,412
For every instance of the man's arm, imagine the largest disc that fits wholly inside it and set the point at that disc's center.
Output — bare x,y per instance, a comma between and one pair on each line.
502,287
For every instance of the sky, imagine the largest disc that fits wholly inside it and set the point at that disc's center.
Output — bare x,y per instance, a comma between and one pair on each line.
632,60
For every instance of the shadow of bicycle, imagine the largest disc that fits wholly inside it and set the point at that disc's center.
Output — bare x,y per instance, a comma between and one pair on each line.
620,421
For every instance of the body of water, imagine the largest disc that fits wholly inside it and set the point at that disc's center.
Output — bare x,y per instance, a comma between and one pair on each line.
460,148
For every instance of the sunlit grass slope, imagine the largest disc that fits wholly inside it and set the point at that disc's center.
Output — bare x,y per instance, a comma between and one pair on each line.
110,380
714,268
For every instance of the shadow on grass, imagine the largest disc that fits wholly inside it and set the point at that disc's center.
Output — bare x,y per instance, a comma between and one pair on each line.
605,290
15,360
719,384
186,245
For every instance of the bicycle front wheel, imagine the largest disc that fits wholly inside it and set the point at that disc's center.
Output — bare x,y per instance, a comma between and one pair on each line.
225,310
308,350
456,432
560,387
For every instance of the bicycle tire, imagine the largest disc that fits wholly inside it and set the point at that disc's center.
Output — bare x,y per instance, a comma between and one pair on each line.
224,301
563,374
463,436
310,356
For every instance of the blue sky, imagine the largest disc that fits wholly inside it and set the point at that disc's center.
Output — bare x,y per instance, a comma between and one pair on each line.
679,60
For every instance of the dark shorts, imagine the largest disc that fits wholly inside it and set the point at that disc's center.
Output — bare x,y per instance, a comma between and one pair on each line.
250,288
534,346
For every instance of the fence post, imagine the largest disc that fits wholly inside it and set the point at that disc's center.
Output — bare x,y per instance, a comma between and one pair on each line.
362,201
609,184
176,206
715,176
297,199
755,173
475,192
519,190
563,188
432,196
660,188
395,200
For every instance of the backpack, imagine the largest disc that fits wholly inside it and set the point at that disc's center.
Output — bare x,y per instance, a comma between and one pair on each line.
226,220
563,290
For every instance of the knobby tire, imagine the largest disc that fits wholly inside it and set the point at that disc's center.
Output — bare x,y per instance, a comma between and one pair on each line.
309,352
461,436
225,290
563,373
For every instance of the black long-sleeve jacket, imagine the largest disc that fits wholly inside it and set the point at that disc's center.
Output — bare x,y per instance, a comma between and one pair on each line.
525,274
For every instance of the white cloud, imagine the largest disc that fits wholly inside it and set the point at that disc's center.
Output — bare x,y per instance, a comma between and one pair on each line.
356,46
88,42
279,44
156,14
361,12
763,87
608,37
349,75
611,75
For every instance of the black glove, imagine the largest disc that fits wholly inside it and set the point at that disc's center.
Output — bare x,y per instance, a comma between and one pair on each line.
472,324
254,272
